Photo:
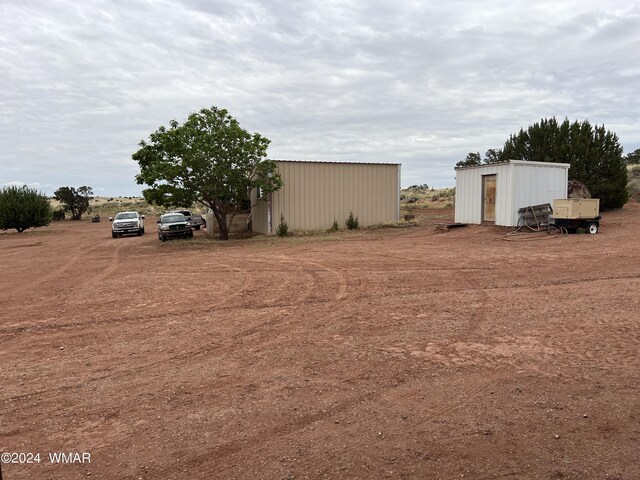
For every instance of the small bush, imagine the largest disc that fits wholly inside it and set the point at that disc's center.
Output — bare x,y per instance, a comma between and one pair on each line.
411,199
334,227
283,228
352,223
634,189
58,215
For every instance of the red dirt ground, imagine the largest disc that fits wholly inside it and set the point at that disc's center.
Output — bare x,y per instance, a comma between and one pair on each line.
395,353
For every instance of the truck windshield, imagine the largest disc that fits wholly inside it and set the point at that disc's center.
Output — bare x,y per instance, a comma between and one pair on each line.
173,218
126,216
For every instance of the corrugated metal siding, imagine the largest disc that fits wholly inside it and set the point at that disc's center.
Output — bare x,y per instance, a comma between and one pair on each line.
258,214
518,184
504,194
537,184
468,202
468,207
315,194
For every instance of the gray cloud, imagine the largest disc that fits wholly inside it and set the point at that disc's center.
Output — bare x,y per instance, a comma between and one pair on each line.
422,83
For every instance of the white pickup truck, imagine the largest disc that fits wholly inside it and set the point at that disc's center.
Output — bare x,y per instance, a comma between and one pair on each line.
127,222
196,221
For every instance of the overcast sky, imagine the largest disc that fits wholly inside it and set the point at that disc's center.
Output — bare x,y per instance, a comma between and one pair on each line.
420,83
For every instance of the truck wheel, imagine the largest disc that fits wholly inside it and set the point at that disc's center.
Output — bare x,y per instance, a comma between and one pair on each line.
592,228
114,235
143,230
190,234
197,227
139,232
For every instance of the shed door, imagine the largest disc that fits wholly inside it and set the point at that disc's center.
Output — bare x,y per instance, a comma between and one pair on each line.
488,198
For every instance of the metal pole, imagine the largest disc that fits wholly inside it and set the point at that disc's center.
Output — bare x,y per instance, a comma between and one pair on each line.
269,218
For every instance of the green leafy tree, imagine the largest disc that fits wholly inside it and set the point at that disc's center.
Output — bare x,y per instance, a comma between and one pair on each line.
74,201
22,208
633,157
594,153
492,155
210,159
473,158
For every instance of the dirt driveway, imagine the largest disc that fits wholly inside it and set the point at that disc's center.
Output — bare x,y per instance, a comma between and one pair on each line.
401,353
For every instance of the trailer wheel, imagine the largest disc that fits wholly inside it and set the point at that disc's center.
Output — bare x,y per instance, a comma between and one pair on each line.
592,228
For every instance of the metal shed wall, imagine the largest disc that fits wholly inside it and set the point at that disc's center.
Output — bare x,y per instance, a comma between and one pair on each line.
519,184
535,183
314,194
468,205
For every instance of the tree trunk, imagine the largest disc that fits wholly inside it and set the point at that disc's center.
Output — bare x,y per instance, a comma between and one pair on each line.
221,218
230,222
224,232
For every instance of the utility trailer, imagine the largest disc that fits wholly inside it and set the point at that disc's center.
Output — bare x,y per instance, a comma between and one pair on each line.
571,214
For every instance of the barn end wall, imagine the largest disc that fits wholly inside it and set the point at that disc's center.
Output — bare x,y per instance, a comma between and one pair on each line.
314,194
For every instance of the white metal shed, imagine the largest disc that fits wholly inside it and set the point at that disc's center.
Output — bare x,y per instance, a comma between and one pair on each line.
493,193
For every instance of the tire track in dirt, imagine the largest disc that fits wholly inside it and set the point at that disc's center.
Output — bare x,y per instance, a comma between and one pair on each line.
260,333
477,317
447,352
251,281
198,463
617,349
519,286
78,254
285,272
224,289
46,325
342,281
473,388
17,250
313,284
112,266
513,473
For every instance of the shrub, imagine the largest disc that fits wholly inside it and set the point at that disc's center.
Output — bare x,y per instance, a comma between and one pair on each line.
334,226
352,223
283,228
58,215
634,189
22,208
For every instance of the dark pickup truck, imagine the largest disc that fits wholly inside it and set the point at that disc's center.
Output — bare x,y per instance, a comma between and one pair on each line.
171,225
196,221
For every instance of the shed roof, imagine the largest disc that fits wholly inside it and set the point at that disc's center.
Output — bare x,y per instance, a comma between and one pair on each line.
518,163
332,162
